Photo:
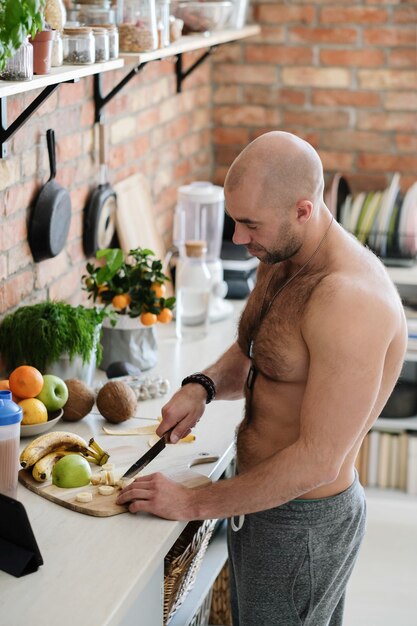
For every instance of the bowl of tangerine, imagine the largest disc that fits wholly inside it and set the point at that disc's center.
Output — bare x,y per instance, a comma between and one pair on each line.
40,396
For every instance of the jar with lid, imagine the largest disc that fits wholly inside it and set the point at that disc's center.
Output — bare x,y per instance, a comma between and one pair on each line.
20,65
79,45
113,34
162,20
55,14
96,13
138,32
101,37
57,57
193,289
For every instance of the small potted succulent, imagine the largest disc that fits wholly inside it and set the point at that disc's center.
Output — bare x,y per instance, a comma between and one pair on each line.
132,290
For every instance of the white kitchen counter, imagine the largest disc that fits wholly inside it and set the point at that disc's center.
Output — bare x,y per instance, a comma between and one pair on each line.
109,571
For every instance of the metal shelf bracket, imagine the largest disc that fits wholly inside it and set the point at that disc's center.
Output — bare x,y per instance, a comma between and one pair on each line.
181,75
100,101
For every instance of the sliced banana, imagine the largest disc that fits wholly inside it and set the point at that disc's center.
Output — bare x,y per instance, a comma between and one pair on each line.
125,482
187,439
105,490
108,466
84,496
96,478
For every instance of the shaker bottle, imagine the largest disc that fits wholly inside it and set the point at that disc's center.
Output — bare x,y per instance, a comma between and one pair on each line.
10,418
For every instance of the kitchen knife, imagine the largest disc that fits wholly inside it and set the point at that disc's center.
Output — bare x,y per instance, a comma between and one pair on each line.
149,455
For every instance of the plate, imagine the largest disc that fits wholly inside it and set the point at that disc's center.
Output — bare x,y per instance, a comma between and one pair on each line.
30,430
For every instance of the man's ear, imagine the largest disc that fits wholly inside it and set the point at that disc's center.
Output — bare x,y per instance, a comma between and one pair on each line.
304,211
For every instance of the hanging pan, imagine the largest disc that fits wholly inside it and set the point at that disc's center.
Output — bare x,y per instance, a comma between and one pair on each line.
100,211
51,216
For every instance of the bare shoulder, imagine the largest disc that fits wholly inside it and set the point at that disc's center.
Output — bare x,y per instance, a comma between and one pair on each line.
356,294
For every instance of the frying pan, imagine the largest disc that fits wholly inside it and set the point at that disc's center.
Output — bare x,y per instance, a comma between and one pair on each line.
100,211
51,216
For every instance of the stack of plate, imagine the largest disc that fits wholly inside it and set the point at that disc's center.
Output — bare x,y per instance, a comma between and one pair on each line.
383,220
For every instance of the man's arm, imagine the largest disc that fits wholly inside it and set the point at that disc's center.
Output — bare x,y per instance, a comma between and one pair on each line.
187,405
347,335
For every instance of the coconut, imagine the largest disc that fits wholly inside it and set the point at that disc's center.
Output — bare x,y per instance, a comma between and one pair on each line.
80,400
116,401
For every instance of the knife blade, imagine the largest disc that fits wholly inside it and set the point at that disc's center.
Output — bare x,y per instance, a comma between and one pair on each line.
146,458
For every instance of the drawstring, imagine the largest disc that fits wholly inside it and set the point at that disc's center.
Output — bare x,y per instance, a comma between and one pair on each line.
238,526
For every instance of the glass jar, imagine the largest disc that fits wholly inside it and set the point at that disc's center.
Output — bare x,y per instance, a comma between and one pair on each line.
57,57
138,32
93,14
20,65
55,14
162,19
113,34
101,37
79,46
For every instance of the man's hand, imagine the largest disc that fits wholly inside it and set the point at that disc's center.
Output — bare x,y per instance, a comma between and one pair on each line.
183,411
158,495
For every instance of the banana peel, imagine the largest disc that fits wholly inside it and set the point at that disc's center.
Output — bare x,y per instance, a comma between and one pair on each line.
187,439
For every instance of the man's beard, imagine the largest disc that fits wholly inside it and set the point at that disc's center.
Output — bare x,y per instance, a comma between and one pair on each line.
270,257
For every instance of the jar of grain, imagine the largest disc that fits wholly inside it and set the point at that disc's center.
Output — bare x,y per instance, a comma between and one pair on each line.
138,31
57,57
101,37
113,34
20,65
79,45
55,14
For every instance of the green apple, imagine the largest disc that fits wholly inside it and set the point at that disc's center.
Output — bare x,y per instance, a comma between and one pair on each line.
54,392
70,471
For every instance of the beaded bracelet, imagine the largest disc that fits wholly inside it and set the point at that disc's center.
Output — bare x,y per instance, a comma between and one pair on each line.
204,381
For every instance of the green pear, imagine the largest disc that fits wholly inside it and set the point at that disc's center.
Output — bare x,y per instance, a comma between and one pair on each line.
71,470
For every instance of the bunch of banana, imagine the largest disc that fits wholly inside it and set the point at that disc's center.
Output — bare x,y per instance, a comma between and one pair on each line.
44,451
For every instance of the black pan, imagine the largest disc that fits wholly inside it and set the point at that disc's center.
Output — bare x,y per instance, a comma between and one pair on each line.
51,216
100,211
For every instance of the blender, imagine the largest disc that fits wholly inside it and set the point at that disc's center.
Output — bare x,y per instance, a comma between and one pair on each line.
199,215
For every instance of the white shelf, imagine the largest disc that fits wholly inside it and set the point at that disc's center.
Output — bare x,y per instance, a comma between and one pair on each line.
213,561
189,43
57,75
403,275
394,424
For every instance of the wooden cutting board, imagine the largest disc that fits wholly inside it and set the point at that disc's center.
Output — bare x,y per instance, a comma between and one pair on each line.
105,506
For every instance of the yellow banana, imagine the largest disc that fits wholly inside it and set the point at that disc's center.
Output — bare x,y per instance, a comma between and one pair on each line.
42,470
43,445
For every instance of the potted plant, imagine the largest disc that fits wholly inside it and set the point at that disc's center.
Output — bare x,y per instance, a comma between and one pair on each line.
17,21
54,337
132,289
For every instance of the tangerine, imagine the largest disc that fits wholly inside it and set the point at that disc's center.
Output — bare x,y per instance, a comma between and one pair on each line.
26,381
148,318
121,301
165,316
4,385
158,289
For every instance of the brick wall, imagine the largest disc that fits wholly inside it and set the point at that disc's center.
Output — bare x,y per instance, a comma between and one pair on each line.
341,74
151,129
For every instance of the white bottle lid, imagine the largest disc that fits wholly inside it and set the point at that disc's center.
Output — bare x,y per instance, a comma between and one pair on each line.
202,192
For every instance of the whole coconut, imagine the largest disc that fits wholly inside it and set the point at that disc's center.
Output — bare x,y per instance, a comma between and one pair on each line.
80,400
116,401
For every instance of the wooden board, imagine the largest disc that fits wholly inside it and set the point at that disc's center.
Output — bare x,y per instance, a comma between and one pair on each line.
105,506
135,219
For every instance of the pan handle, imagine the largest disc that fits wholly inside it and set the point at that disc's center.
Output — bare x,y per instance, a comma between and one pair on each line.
50,140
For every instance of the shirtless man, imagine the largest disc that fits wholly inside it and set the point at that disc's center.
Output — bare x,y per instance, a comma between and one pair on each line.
320,346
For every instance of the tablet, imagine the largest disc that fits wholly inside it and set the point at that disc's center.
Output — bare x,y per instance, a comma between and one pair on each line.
19,551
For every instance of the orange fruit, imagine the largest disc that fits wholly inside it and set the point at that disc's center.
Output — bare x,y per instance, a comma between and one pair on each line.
102,288
34,411
158,289
148,319
121,301
26,381
165,316
5,386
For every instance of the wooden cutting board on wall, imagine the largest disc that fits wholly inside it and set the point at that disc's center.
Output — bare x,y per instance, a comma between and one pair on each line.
105,506
135,219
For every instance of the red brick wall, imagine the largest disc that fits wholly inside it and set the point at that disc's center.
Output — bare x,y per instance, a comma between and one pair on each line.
151,129
340,74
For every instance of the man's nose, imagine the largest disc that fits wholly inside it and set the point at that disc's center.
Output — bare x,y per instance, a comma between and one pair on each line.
240,235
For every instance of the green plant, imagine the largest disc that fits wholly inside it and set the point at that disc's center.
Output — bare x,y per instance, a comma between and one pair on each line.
18,19
39,334
133,285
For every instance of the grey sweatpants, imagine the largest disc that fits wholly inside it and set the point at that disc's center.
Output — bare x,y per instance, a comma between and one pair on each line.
289,566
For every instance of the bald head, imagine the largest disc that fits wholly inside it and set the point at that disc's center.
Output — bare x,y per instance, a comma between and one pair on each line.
285,167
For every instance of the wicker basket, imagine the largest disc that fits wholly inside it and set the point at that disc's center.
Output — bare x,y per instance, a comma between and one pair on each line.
221,612
182,564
